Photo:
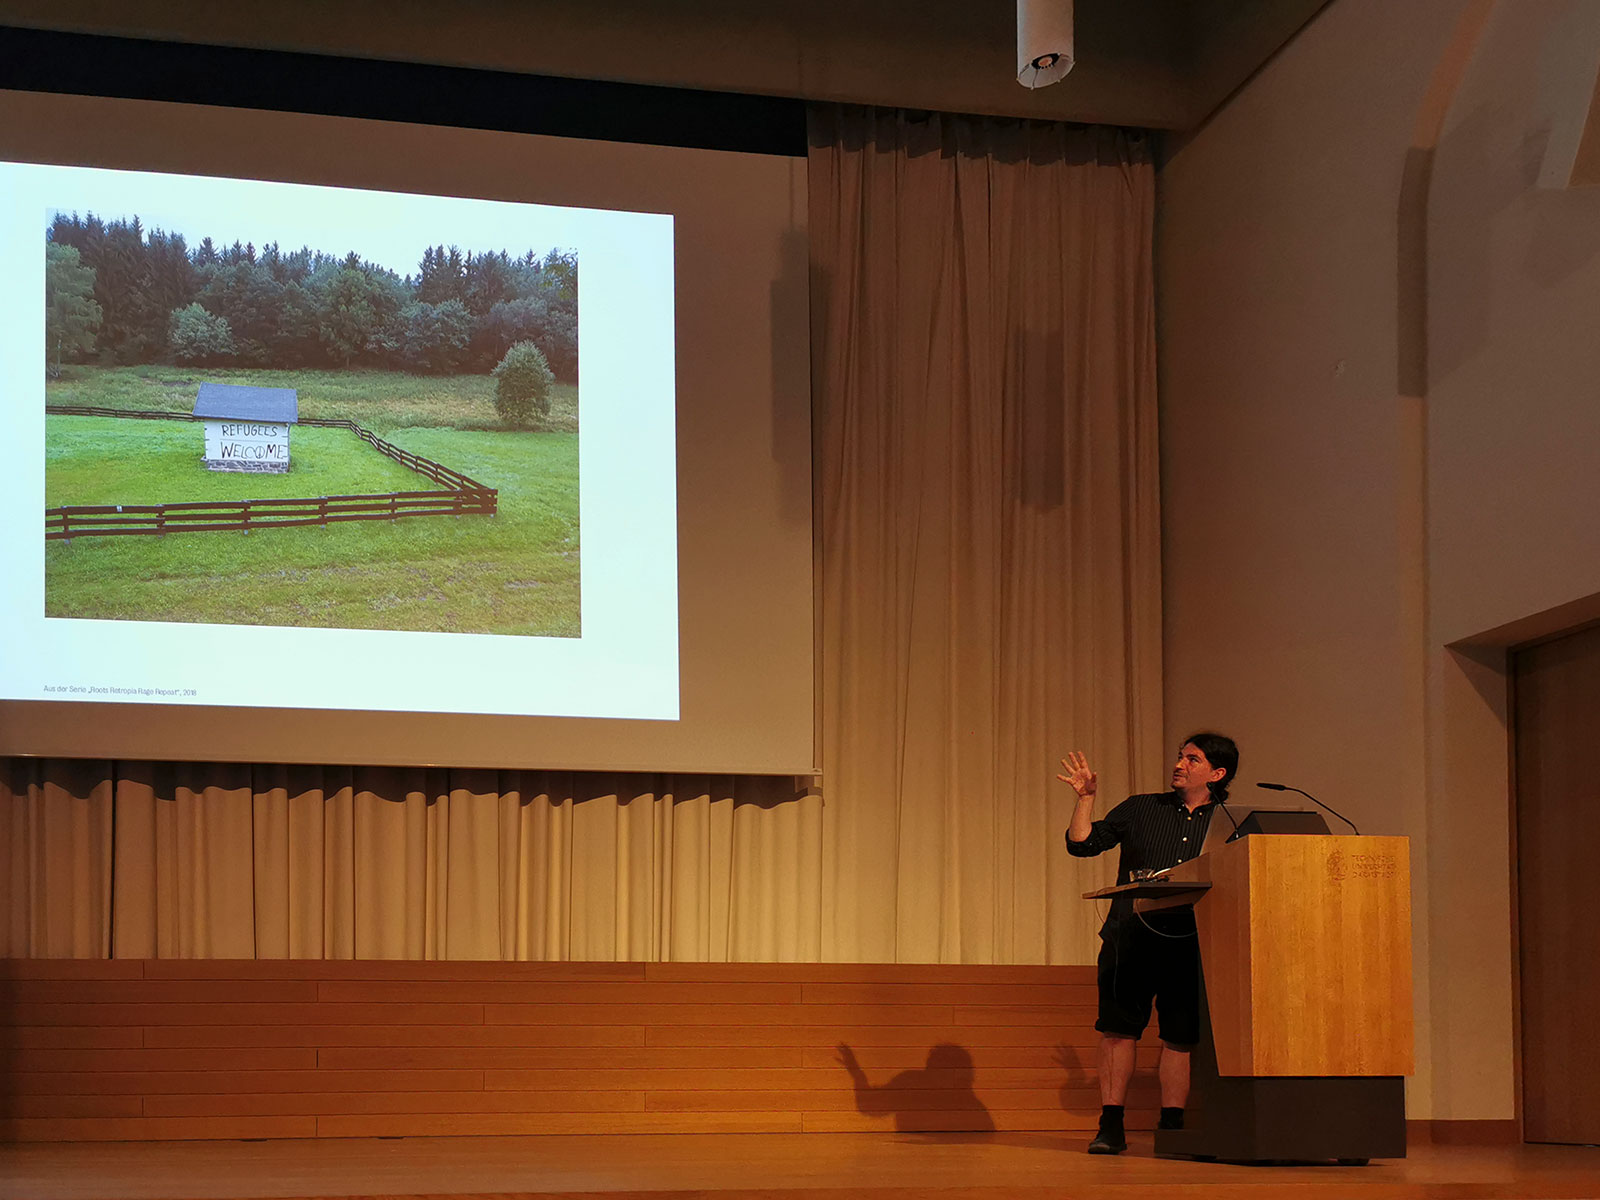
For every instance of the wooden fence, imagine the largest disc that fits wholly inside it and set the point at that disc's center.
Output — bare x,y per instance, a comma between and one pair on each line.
465,496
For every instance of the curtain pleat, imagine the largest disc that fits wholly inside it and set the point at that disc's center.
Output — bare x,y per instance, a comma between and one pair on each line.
988,547
55,851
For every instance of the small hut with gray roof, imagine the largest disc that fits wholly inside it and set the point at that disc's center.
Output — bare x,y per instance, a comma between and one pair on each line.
247,428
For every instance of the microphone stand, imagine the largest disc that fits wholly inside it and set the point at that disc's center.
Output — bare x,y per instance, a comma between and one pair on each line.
1223,805
1284,787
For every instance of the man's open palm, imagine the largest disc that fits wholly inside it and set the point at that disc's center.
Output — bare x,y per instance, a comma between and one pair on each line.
1075,768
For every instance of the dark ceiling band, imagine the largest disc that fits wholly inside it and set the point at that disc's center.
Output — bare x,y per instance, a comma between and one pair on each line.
35,60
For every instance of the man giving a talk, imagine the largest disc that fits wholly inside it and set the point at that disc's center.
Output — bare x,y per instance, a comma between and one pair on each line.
1147,957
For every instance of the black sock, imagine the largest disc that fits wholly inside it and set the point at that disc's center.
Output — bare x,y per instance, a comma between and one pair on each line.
1171,1118
1111,1118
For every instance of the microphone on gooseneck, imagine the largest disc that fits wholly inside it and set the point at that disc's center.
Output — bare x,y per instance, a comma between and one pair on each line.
1284,787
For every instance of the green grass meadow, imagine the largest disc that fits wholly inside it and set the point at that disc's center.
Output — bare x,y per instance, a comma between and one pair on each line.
514,573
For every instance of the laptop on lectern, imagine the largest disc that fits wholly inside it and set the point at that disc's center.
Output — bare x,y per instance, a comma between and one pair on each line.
1260,820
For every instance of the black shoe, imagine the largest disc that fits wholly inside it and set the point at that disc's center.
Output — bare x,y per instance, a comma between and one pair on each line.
1109,1142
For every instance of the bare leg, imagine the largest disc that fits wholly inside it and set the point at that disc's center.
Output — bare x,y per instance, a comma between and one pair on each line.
1174,1075
1116,1067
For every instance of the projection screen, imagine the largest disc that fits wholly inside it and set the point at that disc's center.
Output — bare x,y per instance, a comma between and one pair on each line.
365,442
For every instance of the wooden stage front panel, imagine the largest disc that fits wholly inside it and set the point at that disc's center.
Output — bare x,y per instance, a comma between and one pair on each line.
170,1049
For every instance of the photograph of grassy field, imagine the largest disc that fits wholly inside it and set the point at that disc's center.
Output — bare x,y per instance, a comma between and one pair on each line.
447,334
514,573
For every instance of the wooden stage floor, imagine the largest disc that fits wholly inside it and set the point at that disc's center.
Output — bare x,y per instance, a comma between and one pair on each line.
887,1166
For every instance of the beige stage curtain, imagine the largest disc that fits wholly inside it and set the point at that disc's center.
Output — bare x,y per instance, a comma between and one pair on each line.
227,861
988,542
515,865
984,374
55,851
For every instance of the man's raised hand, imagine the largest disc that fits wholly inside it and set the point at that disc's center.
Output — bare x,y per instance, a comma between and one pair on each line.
1075,770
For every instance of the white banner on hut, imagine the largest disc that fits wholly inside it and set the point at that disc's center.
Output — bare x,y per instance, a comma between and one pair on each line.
247,428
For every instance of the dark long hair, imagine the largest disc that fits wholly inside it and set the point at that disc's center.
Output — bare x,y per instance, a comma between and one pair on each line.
1220,751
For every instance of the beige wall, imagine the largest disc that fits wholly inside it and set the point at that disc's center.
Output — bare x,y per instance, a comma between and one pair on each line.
1514,308
1327,535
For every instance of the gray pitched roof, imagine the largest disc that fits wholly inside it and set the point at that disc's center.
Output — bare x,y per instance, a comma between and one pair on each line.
231,400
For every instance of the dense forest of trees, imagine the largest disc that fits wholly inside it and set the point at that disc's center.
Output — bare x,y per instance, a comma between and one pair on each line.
117,293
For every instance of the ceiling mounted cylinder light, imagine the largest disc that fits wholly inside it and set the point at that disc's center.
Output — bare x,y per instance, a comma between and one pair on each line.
1044,41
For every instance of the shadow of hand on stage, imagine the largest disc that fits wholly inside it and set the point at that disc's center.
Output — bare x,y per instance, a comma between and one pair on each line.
936,1096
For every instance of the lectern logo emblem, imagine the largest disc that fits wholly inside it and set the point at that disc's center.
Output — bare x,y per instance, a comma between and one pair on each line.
1336,867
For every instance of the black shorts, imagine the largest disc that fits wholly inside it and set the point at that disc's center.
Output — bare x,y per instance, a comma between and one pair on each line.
1140,964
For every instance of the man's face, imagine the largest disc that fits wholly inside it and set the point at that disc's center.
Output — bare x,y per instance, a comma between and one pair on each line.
1193,770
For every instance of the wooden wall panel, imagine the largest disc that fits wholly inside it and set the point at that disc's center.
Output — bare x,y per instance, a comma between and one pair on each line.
215,1049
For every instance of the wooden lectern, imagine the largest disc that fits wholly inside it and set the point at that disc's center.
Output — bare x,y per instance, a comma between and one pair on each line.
1306,1034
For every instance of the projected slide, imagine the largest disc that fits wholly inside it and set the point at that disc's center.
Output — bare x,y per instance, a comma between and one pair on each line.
302,446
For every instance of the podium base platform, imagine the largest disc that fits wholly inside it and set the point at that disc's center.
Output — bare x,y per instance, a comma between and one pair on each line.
1291,1119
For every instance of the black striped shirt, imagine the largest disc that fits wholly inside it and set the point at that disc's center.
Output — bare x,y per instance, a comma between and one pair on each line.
1155,831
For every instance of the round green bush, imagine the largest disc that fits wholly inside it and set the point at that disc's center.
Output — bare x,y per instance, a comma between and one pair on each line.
522,385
